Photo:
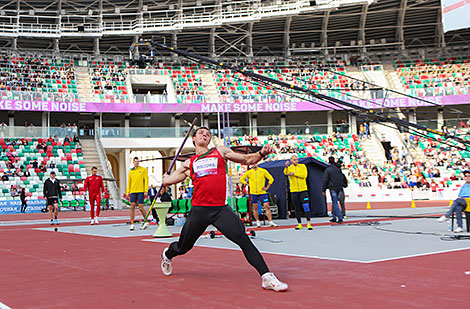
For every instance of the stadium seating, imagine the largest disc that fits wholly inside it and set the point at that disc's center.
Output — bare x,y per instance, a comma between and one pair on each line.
109,82
434,77
66,158
237,86
185,76
37,78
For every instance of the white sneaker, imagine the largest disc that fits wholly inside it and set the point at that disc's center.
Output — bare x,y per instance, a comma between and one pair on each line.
272,224
270,282
92,222
96,220
258,224
143,227
131,228
442,219
167,268
458,230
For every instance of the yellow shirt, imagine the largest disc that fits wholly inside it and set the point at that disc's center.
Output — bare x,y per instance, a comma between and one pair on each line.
298,181
138,180
257,180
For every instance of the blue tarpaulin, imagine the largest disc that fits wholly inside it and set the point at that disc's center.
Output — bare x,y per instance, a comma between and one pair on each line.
280,185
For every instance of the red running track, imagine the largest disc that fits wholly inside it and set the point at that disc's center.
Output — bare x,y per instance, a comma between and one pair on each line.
42,269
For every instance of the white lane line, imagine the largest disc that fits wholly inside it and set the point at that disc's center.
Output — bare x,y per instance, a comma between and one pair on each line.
330,258
3,306
417,255
269,252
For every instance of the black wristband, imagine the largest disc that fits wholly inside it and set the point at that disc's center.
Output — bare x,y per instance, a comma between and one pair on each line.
261,154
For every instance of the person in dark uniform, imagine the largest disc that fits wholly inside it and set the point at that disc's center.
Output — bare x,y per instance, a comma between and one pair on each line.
23,200
52,193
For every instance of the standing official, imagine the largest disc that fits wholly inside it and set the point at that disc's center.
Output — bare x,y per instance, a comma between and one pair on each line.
94,184
52,193
152,193
298,187
257,181
137,186
334,179
23,200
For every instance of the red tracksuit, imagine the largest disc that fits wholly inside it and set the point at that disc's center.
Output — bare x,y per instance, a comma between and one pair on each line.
95,186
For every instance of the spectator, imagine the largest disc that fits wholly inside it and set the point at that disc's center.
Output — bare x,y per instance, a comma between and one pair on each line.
459,204
5,177
13,191
3,128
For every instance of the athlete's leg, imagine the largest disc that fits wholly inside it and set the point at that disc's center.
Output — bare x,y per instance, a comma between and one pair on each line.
142,210
98,204
51,215
226,221
56,210
91,198
132,213
255,212
196,223
297,202
268,211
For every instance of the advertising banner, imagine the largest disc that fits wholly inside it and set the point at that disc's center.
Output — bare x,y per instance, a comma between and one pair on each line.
239,107
14,207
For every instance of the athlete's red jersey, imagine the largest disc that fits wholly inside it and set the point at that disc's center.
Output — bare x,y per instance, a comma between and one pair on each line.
208,173
94,184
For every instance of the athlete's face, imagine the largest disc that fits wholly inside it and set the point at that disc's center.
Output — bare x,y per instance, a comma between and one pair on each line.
136,162
202,137
94,171
294,160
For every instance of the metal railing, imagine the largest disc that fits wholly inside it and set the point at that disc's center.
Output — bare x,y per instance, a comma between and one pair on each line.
37,132
108,172
146,132
93,25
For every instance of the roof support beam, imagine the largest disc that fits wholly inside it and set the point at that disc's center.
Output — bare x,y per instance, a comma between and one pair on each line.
212,43
324,31
361,36
286,39
249,41
440,35
174,42
399,35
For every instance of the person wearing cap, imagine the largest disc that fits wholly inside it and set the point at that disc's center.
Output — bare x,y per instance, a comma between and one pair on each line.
52,193
459,204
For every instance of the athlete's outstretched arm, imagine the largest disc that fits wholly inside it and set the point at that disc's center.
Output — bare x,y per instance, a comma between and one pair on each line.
250,158
178,175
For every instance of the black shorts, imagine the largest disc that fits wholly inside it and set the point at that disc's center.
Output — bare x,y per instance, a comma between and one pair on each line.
300,198
51,201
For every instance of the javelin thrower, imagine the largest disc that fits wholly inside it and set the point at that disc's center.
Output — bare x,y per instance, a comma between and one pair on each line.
207,170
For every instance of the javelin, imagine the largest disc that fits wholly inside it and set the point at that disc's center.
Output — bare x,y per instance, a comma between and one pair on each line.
170,168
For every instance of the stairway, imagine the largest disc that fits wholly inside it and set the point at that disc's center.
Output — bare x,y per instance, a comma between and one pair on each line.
209,85
373,150
90,156
393,78
84,85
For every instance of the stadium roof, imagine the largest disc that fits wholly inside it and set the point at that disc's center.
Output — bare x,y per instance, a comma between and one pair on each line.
223,28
